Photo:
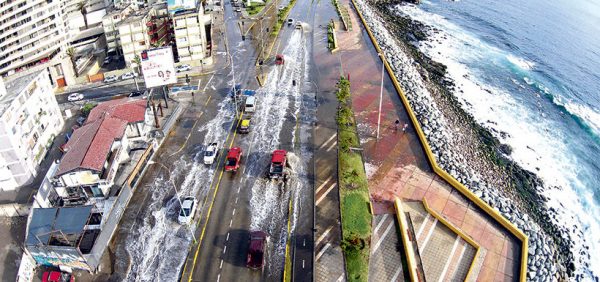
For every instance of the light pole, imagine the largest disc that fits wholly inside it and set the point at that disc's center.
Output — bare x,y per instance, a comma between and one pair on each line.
176,193
380,95
234,94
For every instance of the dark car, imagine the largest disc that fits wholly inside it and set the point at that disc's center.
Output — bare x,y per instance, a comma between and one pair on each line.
256,250
136,93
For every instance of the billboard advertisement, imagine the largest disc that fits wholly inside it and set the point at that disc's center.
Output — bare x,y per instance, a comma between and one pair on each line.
175,6
158,67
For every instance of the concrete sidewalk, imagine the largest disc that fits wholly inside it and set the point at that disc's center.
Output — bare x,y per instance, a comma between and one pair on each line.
397,165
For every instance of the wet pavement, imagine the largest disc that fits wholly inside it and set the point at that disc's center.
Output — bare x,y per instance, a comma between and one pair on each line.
397,166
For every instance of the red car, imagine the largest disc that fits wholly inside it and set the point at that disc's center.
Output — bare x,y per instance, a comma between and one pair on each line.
57,276
233,159
278,162
256,250
279,60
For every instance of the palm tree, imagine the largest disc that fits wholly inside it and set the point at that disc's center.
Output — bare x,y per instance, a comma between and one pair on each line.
71,54
137,61
83,10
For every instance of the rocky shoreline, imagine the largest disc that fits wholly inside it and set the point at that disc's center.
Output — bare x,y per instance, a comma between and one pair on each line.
515,192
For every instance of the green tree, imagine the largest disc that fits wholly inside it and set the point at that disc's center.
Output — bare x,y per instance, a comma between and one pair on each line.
81,6
71,53
137,61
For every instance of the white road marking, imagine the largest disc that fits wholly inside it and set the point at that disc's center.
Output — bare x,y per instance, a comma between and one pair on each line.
423,225
239,189
328,140
227,237
332,146
225,249
221,265
230,222
449,259
218,277
325,194
341,278
429,234
323,251
236,199
382,238
211,77
323,235
395,277
383,218
323,184
302,263
233,212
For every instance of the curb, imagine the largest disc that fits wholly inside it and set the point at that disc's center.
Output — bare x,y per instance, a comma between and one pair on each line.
439,171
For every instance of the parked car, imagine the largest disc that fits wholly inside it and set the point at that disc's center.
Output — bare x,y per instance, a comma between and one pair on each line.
233,159
188,209
75,97
290,21
136,93
128,75
57,276
211,153
256,251
244,126
298,25
110,78
80,121
182,68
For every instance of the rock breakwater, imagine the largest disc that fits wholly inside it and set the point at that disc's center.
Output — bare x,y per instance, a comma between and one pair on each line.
469,152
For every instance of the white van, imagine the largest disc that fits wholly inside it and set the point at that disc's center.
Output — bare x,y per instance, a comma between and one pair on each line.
250,105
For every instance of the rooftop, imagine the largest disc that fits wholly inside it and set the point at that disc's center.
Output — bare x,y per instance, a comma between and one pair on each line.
14,86
57,226
130,110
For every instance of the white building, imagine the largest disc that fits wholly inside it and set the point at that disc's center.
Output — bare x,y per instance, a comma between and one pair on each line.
193,36
110,24
29,120
136,32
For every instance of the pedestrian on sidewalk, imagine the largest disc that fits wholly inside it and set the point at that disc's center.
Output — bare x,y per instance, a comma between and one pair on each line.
396,124
404,127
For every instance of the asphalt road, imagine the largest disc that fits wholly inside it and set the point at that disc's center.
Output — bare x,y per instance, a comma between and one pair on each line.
245,201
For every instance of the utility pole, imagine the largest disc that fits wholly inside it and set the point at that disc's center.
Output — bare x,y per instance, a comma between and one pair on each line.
165,96
380,95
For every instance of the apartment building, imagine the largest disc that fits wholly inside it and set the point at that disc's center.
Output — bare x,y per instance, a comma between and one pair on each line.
145,29
110,24
29,120
31,33
193,36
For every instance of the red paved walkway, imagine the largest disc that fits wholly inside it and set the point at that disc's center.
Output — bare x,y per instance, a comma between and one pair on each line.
397,165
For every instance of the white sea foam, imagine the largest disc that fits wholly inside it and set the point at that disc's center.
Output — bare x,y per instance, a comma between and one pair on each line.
520,62
537,147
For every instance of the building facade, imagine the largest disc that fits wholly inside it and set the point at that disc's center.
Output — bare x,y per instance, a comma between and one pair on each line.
139,32
110,23
29,120
193,36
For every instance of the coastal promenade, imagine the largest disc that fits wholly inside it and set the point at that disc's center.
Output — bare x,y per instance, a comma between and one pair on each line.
398,167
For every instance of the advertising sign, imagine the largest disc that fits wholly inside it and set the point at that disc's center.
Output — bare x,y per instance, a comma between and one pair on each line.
175,6
158,67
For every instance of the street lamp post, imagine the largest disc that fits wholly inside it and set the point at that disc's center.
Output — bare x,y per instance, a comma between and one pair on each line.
234,94
380,95
176,192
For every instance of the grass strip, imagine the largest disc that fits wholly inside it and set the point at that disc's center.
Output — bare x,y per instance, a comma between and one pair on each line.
354,191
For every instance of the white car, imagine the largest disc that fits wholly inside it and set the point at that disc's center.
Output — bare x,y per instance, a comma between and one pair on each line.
298,25
182,68
75,97
188,209
128,75
211,153
110,78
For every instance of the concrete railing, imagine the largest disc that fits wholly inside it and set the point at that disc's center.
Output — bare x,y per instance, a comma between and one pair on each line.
408,245
462,235
439,171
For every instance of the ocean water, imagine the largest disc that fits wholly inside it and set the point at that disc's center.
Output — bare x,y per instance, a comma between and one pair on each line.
531,69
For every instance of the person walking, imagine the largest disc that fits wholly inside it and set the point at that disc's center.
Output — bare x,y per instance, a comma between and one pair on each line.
396,125
404,127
